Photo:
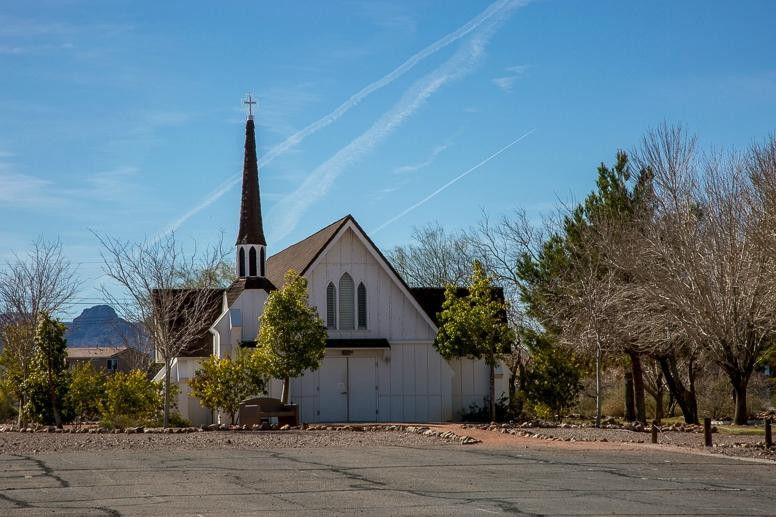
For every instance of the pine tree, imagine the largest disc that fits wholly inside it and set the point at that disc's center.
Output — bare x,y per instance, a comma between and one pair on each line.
47,384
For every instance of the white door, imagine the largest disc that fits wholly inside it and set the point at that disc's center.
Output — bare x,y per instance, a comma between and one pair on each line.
362,389
334,390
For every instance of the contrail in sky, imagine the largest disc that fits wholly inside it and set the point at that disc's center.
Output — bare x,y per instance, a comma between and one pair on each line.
449,183
296,138
286,214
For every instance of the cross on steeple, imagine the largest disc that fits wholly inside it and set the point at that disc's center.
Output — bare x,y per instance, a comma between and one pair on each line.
250,102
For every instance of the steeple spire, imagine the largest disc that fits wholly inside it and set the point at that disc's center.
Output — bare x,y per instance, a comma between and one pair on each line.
251,243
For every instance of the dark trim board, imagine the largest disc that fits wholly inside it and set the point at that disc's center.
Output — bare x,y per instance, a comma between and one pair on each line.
358,343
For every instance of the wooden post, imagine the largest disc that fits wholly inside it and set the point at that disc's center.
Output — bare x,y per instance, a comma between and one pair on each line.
768,436
654,433
707,431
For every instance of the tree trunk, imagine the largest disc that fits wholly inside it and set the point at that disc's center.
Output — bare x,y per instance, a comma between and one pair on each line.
741,417
638,387
284,394
167,371
685,398
659,398
598,386
53,396
19,419
492,392
513,402
630,403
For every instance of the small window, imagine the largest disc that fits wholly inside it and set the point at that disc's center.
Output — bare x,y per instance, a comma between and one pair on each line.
113,364
346,303
331,306
361,305
252,261
241,262
261,261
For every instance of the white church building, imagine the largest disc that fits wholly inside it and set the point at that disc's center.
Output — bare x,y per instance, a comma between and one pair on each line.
380,363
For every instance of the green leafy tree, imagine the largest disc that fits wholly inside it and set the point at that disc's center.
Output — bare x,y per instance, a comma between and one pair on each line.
86,391
15,361
475,326
552,377
47,384
292,337
130,394
222,383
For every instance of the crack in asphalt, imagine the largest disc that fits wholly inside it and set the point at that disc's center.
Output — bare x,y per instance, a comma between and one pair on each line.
360,479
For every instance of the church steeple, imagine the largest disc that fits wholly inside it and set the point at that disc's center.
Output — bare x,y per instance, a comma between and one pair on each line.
250,238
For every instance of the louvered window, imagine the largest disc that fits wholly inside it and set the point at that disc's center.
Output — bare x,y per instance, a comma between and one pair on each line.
346,303
331,306
361,306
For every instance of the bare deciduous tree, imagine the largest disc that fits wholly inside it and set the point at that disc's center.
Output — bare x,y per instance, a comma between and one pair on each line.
41,281
152,279
436,258
707,261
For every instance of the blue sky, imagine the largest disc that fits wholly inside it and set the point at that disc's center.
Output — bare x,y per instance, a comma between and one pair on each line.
124,117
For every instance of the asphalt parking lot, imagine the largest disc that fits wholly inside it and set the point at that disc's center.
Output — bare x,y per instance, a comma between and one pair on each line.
426,480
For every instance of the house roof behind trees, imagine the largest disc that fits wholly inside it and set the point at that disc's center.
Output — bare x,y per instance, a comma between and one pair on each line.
94,352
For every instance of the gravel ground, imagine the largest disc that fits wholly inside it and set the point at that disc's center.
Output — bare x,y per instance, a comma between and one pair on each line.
34,443
732,445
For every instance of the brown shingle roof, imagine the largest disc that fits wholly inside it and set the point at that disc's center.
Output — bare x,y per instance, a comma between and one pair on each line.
93,352
299,256
431,298
251,229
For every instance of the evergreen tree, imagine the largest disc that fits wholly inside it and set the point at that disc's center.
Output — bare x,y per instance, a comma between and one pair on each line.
292,337
222,383
46,386
475,326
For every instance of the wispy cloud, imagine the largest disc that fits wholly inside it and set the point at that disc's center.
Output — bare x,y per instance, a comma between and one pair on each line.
414,167
450,183
27,191
286,214
22,189
494,10
507,82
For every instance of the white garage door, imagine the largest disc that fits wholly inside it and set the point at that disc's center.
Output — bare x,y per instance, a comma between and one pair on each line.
362,389
334,390
348,389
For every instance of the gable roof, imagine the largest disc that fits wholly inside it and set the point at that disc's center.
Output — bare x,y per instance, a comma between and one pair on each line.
213,304
299,256
302,255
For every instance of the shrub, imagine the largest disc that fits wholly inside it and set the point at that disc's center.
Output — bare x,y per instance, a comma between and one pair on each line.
132,395
86,391
224,383
553,379
8,410
477,413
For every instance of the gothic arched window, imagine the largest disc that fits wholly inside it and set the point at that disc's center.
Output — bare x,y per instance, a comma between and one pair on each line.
252,261
261,261
361,305
331,306
241,262
346,303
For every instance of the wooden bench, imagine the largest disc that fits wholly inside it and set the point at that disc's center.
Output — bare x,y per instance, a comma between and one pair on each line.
253,411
